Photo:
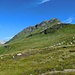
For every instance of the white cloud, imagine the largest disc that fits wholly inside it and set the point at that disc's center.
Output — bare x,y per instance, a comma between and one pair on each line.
2,42
5,39
69,20
43,1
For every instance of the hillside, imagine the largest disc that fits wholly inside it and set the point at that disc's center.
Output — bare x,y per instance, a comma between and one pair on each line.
47,48
36,29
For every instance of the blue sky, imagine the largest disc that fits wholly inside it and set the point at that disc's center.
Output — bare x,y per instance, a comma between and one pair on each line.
15,15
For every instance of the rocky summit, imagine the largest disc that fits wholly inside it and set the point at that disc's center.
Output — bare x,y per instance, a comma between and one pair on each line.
36,28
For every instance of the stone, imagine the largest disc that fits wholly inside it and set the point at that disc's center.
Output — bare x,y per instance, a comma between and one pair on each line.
19,54
73,37
71,43
13,56
1,57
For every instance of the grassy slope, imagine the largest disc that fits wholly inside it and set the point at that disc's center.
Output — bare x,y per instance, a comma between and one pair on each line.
40,53
38,41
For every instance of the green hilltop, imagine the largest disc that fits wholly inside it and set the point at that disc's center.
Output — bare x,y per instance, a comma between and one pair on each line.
47,48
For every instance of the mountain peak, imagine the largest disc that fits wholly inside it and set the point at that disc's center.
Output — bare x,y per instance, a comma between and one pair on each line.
55,19
37,28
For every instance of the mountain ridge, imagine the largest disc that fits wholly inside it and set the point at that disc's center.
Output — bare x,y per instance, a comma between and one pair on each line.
36,28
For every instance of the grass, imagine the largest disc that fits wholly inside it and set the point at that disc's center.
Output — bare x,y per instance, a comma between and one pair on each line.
38,62
63,36
40,54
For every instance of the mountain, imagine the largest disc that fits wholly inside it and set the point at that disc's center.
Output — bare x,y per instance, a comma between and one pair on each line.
36,29
47,48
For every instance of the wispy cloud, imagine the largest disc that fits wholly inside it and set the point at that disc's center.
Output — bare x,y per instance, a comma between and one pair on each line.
69,20
44,1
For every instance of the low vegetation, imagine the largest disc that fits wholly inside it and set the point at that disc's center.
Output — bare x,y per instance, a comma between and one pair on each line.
52,53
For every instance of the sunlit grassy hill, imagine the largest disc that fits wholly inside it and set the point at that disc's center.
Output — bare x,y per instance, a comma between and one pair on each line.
47,50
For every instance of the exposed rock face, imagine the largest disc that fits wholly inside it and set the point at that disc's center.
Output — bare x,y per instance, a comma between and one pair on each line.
43,23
